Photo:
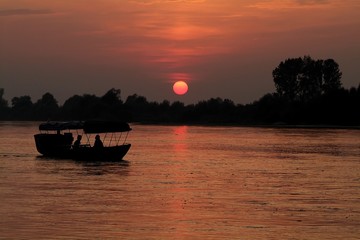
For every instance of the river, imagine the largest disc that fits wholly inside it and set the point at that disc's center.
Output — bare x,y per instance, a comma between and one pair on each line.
186,182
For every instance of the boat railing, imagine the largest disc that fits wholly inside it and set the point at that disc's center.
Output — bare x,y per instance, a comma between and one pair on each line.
108,139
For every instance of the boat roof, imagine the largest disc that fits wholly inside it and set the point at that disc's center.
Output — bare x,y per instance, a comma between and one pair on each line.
86,126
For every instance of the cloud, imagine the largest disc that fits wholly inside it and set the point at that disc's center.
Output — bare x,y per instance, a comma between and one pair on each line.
23,11
150,2
312,2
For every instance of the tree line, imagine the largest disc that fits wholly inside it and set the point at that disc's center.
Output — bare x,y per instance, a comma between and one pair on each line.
308,91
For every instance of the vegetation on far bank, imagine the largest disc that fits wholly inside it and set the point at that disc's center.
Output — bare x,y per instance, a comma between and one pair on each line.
308,92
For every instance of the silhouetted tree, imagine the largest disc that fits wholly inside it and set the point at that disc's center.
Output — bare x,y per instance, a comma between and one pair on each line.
287,77
4,107
82,107
164,106
310,79
46,108
22,108
302,79
331,76
213,110
136,101
137,106
268,109
112,97
3,102
112,106
176,106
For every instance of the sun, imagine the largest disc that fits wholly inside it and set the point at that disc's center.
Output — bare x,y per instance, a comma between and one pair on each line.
180,87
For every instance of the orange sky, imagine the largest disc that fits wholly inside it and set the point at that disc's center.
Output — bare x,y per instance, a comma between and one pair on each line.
224,49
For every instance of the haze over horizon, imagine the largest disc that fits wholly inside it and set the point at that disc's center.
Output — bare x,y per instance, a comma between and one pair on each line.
224,49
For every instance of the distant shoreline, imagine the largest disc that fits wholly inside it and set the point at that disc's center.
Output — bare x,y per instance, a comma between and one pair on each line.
295,126
298,126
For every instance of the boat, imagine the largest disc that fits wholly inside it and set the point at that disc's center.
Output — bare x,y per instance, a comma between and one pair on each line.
56,140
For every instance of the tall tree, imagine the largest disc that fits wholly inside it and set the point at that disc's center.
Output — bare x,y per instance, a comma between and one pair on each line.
303,79
310,82
112,97
4,108
3,102
22,108
46,108
112,105
331,76
82,107
287,77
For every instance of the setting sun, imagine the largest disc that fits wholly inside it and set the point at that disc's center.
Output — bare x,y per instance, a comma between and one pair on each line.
180,87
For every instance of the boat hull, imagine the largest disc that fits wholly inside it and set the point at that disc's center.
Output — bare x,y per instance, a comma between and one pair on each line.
114,153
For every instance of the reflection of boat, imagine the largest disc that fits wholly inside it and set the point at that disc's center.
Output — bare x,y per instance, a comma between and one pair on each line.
56,138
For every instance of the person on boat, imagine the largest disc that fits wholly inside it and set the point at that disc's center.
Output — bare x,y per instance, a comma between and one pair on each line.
98,143
77,142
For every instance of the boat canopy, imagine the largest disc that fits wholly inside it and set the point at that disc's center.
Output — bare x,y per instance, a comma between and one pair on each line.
87,126
58,126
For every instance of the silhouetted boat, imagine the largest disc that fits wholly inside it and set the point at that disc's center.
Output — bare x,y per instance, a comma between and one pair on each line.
56,140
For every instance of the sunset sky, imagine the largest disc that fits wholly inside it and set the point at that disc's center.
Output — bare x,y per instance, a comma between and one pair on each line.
221,48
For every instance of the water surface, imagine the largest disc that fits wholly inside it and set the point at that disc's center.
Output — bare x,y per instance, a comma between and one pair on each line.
186,182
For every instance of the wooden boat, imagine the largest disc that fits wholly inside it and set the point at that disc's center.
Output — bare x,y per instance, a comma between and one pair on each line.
56,140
